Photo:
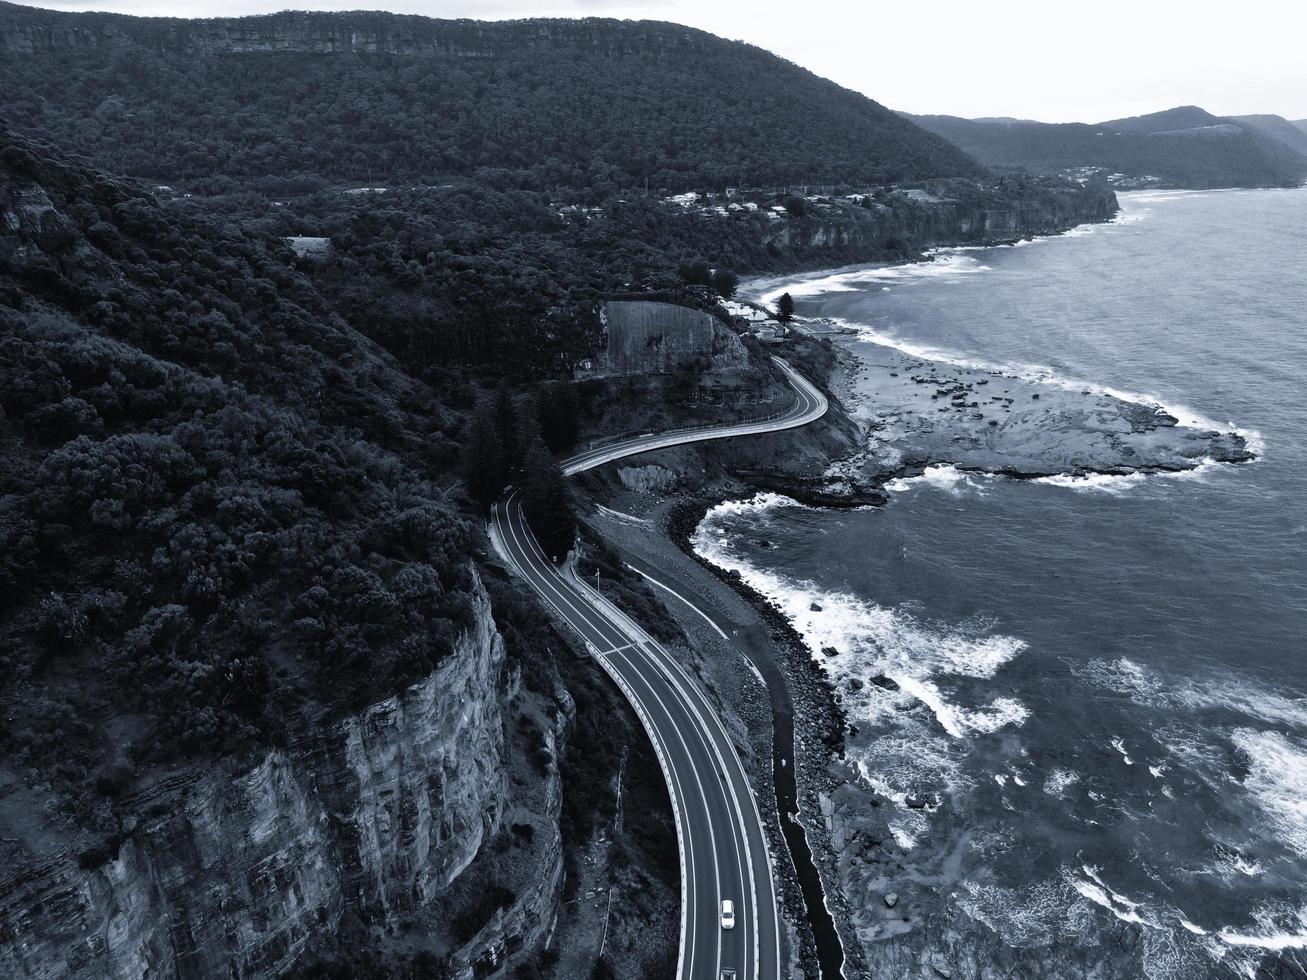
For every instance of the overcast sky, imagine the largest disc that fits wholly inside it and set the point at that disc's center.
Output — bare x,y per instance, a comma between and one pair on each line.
1036,59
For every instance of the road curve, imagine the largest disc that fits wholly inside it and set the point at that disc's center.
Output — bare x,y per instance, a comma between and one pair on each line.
809,405
723,848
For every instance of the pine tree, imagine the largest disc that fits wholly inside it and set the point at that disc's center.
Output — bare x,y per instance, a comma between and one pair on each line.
506,422
528,430
785,308
547,501
483,456
560,417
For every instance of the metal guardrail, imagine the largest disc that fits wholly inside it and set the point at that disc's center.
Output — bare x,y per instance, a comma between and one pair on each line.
609,440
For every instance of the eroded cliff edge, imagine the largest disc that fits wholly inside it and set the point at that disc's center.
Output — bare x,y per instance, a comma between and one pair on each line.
239,870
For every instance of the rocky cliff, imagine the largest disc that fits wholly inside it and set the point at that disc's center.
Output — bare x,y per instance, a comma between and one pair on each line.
29,31
938,213
661,338
237,871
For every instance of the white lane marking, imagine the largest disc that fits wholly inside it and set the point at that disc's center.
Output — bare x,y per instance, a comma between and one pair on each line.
703,795
667,588
622,516
684,835
661,660
549,575
616,620
685,838
801,414
694,690
708,619
690,685
739,832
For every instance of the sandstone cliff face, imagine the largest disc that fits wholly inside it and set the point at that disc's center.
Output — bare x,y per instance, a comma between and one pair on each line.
944,221
238,873
661,338
25,31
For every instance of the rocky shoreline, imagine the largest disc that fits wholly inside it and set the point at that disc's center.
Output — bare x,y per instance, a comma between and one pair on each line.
895,417
917,415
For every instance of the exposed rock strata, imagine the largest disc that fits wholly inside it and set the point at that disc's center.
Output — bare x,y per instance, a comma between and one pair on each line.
238,873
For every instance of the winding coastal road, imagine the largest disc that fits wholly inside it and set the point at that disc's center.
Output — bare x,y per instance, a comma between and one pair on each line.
809,405
723,848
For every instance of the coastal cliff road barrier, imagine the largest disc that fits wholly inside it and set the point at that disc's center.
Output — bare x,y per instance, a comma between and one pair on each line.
809,405
720,837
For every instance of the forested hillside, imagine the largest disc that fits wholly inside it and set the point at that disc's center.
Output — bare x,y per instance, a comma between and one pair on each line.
593,104
1181,147
219,504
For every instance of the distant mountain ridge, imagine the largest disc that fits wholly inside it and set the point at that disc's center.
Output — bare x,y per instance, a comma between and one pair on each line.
1185,146
381,97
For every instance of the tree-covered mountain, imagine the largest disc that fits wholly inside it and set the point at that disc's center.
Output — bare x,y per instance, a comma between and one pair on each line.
1291,134
375,98
220,505
1181,147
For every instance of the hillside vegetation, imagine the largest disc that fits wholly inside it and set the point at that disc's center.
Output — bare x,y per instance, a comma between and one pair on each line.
1181,147
378,98
220,506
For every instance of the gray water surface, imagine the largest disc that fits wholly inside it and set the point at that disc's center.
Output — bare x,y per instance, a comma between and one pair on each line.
1105,679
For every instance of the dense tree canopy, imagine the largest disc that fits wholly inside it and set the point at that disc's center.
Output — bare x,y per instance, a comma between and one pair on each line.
1184,147
598,104
219,504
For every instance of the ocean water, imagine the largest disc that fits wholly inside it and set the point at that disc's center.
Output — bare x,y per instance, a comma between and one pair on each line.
1102,681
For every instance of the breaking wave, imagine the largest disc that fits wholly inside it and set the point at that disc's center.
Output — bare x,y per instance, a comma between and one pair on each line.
947,478
887,666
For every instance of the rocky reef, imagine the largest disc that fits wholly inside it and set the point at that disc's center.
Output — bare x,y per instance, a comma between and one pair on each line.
920,413
240,870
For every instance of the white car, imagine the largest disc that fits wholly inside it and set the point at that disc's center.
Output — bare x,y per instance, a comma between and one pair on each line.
728,914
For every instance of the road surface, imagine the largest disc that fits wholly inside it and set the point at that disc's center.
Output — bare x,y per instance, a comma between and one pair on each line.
809,405
723,849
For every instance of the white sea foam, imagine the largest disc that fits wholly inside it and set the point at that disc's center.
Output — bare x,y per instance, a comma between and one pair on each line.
1230,862
871,639
1278,929
1097,482
1119,745
1045,375
1059,780
1092,887
943,264
1277,781
1217,691
1029,916
947,478
1118,483
914,752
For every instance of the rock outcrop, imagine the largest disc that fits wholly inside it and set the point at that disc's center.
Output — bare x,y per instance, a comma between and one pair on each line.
27,31
237,873
646,337
952,212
